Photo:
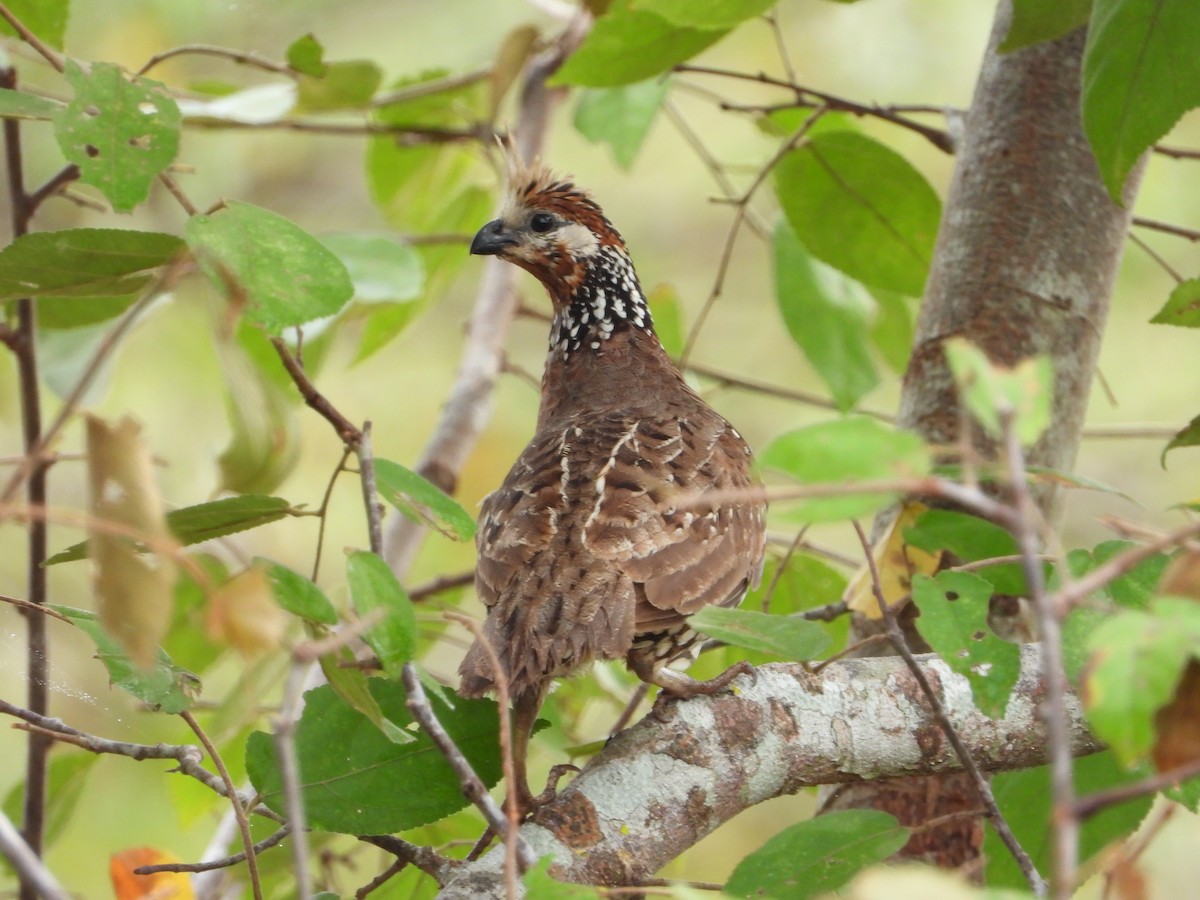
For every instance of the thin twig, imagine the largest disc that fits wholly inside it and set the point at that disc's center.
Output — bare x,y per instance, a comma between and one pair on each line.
212,865
242,57
781,568
429,88
1090,804
290,776
346,430
366,475
32,39
1064,823
982,787
322,512
441,584
29,867
426,859
472,787
826,613
1176,152
742,205
239,811
56,183
774,390
1166,228
506,752
1157,257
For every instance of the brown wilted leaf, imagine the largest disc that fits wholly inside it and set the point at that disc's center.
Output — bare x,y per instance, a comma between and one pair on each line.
159,886
133,586
1178,723
243,613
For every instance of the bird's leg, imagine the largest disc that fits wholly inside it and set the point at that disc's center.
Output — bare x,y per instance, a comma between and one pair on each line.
525,709
676,684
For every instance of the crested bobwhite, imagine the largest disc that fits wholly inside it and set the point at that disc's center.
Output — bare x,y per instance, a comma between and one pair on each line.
582,552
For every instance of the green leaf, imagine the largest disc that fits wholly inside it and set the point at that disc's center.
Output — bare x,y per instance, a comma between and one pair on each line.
826,315
785,637
1025,799
1137,660
1140,74
1182,307
991,391
668,318
343,85
45,18
82,276
627,45
971,539
120,133
1187,436
19,105
705,13
954,621
354,780
297,594
164,686
620,116
862,208
845,451
1034,21
205,521
817,856
421,500
307,56
372,587
1133,589
285,273
383,268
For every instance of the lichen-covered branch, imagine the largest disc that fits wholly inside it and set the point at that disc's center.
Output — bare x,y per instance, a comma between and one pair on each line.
668,781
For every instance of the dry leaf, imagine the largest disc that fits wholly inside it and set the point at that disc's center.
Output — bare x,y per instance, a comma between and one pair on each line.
1178,723
243,613
896,561
134,587
159,886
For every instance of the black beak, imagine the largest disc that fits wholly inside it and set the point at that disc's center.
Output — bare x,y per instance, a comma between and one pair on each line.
492,240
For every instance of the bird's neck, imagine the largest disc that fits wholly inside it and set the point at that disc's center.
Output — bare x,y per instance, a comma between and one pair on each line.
606,300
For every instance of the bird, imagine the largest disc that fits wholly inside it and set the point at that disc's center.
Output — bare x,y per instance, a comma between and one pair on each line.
598,544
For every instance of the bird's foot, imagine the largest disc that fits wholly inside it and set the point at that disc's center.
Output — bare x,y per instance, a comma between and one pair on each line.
678,686
550,791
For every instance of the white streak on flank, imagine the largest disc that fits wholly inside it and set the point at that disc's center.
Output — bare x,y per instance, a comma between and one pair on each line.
600,479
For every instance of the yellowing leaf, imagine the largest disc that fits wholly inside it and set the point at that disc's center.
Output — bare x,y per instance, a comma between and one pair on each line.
134,589
159,886
897,563
243,613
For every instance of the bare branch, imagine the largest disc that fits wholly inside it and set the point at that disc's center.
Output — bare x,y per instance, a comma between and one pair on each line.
26,862
659,787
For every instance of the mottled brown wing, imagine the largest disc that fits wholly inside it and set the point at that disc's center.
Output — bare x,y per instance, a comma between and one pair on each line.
551,609
679,559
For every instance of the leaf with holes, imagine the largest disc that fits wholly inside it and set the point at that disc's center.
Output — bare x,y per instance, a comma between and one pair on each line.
971,539
862,208
816,856
253,255
355,780
784,637
120,133
954,621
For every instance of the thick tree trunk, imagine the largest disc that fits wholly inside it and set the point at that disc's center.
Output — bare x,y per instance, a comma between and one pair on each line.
1025,263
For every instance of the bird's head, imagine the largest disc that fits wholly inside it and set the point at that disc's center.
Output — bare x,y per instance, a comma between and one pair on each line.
550,228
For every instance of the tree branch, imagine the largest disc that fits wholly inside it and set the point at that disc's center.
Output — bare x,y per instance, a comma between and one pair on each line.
661,786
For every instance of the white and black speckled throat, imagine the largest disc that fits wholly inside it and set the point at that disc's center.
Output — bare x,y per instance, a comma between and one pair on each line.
608,298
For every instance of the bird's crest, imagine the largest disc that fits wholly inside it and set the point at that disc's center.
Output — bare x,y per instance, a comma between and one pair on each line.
536,186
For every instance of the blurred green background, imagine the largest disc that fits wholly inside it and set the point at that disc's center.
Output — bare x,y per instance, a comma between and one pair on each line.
886,51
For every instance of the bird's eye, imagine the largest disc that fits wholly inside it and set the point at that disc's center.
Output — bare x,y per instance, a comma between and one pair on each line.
542,222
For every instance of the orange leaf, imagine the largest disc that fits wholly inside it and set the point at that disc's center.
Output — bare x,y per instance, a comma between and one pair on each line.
159,886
